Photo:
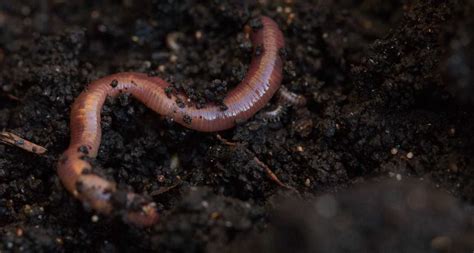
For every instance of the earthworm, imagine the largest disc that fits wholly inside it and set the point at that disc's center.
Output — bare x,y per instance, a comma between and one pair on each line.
242,102
275,114
291,98
286,99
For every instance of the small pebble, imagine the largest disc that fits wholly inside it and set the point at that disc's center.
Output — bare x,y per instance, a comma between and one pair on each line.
147,64
161,178
452,131
19,232
198,35
174,162
291,17
173,58
215,215
410,155
394,151
59,240
102,28
95,14
95,218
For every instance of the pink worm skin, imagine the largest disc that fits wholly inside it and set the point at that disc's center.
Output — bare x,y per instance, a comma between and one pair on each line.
259,85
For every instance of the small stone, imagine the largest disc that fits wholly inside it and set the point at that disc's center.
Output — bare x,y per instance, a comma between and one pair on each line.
198,35
394,151
95,14
95,218
161,178
19,232
161,68
215,215
452,131
59,240
102,28
174,162
410,155
173,58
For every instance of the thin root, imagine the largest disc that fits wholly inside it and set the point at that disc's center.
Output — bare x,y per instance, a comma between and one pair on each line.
267,169
10,96
272,175
225,141
165,189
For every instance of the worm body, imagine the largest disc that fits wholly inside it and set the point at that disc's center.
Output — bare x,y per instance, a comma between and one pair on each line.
286,99
255,90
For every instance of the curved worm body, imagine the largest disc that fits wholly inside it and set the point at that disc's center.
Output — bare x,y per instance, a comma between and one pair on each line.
75,171
286,99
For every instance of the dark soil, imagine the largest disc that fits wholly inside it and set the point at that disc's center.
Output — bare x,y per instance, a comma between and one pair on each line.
390,86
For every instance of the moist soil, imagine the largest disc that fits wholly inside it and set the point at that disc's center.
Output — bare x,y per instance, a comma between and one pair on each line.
381,157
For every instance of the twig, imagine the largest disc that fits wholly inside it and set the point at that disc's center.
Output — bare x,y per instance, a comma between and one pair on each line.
15,140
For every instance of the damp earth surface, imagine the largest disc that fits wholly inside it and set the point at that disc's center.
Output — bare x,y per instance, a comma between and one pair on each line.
380,158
